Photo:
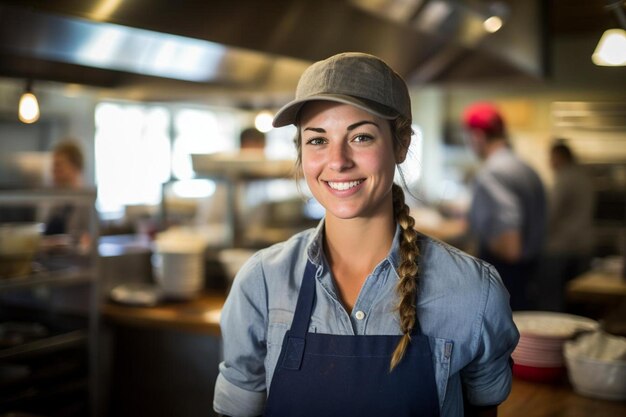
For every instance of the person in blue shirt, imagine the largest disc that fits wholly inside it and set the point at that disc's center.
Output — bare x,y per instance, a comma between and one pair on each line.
508,212
361,316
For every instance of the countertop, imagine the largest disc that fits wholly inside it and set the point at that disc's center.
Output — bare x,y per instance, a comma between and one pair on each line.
597,283
533,399
200,314
527,399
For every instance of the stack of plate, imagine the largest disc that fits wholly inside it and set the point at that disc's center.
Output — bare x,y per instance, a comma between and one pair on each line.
539,353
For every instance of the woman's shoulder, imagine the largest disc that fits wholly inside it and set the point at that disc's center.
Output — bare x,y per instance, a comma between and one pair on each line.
451,277
450,272
446,259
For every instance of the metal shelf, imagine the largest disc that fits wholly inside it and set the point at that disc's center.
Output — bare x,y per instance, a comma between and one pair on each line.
45,345
55,267
49,195
68,276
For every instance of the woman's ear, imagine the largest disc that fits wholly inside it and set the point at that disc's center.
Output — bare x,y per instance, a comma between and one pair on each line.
402,148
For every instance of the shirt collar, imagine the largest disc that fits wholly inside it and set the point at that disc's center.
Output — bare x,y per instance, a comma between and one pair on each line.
315,249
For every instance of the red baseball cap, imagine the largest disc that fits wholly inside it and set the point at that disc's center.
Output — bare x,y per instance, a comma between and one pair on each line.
484,116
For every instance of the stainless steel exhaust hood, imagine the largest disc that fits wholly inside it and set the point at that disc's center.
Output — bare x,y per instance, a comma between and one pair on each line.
248,47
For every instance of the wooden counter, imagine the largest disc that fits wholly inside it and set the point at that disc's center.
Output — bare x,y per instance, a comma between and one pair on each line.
597,283
527,399
603,296
202,314
532,399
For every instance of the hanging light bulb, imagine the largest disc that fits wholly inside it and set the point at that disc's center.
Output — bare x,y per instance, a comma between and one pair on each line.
263,121
492,24
29,106
611,49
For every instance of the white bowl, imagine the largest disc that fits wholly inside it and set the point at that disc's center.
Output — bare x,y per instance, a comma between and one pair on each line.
597,378
233,260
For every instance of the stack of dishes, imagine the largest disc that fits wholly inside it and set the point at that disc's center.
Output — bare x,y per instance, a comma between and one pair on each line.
539,353
178,263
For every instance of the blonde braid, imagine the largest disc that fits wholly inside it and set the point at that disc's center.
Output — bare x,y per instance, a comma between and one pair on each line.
407,270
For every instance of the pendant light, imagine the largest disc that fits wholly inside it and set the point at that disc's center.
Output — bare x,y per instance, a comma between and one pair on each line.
611,49
29,106
263,121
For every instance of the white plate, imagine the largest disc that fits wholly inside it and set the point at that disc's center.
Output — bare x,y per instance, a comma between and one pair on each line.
532,324
136,294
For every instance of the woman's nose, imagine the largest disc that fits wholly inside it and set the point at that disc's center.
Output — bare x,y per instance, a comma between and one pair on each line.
339,157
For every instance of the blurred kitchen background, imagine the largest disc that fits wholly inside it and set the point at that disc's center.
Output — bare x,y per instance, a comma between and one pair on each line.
157,94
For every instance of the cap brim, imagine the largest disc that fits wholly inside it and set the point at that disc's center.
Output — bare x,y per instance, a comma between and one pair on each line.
288,114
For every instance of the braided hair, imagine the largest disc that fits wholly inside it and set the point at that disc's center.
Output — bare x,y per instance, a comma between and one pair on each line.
407,271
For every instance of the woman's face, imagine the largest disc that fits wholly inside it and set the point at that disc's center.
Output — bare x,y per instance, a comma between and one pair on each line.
348,159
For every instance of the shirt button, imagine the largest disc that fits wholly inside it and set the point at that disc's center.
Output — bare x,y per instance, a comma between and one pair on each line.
360,315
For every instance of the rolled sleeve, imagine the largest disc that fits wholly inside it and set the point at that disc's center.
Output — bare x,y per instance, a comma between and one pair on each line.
231,400
240,388
487,378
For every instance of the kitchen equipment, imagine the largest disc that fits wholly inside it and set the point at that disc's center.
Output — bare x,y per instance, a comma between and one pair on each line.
138,294
596,365
18,244
539,352
178,263
233,260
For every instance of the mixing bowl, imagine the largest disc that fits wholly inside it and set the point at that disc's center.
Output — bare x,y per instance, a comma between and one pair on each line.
18,244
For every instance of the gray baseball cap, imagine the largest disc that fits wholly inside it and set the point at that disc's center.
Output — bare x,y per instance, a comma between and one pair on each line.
355,78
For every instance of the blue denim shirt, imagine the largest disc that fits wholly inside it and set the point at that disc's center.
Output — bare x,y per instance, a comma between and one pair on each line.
462,306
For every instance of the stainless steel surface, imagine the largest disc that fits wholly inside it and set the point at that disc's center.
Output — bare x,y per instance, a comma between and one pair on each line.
253,46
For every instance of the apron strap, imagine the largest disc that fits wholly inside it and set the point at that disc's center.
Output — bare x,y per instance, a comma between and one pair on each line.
296,337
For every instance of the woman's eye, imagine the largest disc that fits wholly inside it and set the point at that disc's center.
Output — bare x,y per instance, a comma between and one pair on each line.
315,141
362,138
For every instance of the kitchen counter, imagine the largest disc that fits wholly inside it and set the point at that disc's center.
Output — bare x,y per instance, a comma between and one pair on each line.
603,296
597,283
527,399
201,314
532,399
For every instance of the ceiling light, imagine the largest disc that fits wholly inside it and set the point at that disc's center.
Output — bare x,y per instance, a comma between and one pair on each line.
492,24
29,106
611,49
263,121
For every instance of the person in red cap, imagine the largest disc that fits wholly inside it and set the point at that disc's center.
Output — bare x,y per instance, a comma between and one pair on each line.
508,212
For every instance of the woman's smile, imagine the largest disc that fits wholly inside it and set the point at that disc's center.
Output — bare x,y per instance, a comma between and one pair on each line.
344,185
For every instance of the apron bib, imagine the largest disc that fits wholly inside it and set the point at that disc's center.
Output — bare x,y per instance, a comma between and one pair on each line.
338,375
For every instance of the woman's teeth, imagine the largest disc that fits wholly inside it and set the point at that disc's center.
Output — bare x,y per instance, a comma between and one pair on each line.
342,186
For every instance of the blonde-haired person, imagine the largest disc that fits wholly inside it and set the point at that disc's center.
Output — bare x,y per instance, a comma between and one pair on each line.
362,316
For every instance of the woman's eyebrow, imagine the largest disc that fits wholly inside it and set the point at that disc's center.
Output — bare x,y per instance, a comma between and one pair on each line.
351,127
315,129
361,123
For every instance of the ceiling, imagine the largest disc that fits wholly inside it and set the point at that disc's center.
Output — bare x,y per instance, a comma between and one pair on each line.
254,51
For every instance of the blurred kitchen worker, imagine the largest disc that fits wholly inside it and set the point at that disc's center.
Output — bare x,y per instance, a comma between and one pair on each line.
67,173
252,139
215,209
570,226
508,212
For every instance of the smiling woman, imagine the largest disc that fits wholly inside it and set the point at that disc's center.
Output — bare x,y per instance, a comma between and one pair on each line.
361,316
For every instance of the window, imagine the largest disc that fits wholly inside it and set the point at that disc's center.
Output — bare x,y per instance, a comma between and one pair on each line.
139,147
132,150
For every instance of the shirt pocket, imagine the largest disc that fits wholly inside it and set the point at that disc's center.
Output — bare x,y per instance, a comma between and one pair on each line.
442,354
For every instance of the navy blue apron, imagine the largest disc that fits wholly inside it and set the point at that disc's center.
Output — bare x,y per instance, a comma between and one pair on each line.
341,375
